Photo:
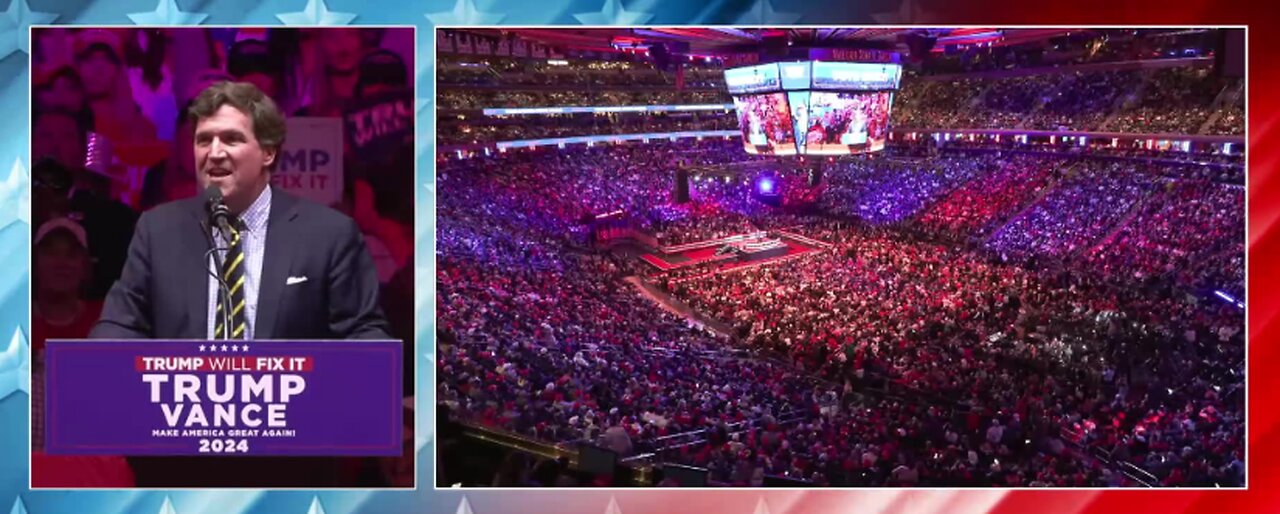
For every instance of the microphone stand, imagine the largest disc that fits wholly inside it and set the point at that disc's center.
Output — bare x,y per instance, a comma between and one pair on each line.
224,291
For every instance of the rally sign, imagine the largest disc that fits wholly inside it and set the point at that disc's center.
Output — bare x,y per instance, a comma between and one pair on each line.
310,161
298,398
378,126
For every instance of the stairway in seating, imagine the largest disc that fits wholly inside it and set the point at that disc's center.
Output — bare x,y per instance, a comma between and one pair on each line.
676,307
1226,97
1120,225
1052,185
977,104
1125,102
1067,83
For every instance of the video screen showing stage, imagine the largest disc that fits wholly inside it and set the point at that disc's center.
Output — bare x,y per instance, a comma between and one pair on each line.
765,121
845,123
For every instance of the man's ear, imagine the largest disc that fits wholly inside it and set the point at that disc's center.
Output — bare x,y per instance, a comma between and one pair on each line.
269,157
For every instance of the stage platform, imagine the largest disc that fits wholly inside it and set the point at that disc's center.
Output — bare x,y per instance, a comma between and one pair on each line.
749,249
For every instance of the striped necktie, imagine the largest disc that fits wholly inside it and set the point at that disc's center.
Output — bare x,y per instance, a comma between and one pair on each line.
233,273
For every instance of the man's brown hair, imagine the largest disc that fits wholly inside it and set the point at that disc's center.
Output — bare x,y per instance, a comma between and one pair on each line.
268,121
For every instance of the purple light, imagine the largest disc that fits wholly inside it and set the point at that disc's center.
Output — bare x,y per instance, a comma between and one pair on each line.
766,185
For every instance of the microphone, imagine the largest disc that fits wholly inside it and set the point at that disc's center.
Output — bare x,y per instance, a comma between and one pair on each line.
219,214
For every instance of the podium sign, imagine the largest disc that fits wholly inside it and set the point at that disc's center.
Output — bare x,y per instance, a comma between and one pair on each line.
225,398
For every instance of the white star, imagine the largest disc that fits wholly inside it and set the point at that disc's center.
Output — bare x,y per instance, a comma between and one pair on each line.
762,12
244,347
422,440
613,506
167,507
465,13
202,348
464,507
13,27
15,365
612,13
316,13
18,506
316,508
15,195
235,348
224,347
167,13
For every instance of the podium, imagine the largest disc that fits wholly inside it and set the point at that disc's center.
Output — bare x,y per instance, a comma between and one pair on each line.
224,398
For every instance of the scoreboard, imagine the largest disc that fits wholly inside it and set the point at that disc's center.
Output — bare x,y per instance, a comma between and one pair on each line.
813,107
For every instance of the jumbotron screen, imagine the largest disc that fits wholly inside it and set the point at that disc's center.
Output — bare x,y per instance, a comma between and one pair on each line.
765,121
842,123
818,108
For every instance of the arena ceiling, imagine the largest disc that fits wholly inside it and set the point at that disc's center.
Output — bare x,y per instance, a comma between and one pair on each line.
723,40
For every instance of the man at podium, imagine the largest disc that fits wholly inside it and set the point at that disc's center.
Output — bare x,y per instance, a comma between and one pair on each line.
245,260
289,268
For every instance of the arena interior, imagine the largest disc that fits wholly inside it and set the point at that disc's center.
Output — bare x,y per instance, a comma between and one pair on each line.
1014,259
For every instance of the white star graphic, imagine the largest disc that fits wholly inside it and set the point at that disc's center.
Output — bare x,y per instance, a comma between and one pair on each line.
908,12
15,365
235,348
613,506
762,12
612,13
421,441
316,508
464,507
18,506
202,348
316,13
244,347
13,27
168,13
15,196
224,347
465,13
167,507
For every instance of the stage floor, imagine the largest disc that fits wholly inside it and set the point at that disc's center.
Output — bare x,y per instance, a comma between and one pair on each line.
706,255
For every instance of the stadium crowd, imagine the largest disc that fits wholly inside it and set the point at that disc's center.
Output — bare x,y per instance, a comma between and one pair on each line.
883,361
1177,100
986,314
473,130
1089,200
483,99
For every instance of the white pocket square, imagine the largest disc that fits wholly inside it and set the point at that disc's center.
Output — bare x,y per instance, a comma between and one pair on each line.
294,280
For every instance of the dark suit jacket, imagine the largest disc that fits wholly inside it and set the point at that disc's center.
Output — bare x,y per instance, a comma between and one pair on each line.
163,293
